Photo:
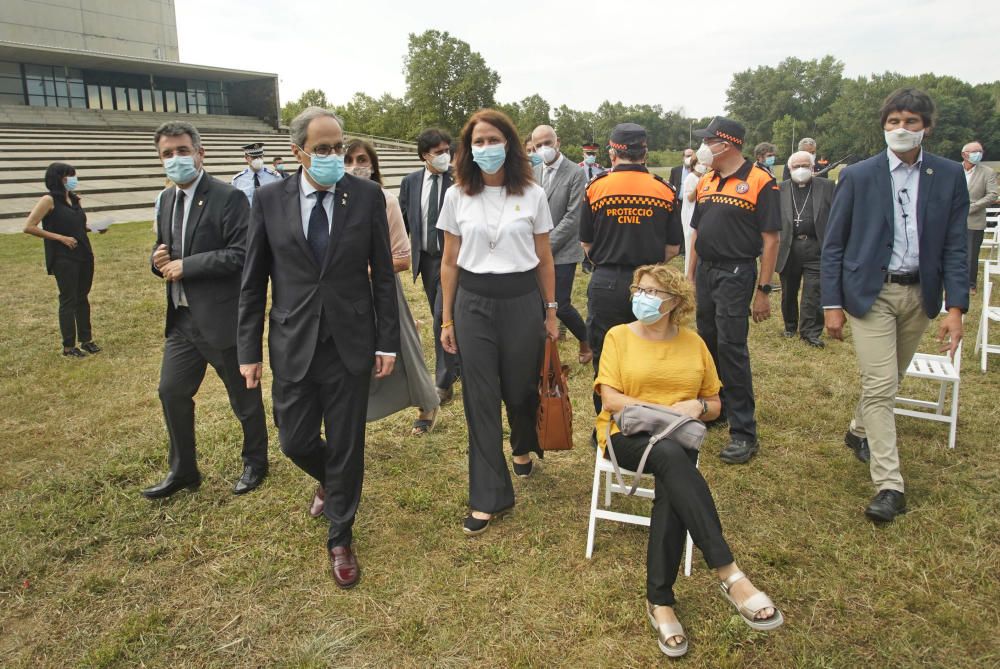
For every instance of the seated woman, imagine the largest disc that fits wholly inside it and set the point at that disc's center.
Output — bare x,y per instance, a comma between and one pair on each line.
655,360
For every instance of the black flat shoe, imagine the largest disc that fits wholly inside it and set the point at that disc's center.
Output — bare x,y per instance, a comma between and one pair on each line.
739,452
859,445
815,342
886,505
473,526
91,347
250,480
523,470
74,353
171,485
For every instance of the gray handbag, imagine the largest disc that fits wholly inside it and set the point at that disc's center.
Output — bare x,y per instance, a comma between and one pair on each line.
660,423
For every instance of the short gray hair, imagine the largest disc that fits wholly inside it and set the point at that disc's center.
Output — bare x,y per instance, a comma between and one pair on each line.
806,141
764,147
176,129
298,129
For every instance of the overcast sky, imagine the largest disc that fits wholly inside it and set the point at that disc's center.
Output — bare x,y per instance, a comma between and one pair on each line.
676,54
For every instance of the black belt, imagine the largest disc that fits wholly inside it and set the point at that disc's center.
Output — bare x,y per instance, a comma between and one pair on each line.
903,279
728,264
803,237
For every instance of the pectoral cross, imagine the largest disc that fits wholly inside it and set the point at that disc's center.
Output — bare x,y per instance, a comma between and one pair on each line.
798,221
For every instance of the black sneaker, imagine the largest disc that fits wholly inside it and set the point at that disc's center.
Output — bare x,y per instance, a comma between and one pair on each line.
523,470
90,347
738,452
74,353
886,505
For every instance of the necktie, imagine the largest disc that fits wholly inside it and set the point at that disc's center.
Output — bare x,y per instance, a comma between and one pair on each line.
256,180
432,217
177,227
319,229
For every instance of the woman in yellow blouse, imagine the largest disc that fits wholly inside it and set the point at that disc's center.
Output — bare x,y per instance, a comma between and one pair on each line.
656,360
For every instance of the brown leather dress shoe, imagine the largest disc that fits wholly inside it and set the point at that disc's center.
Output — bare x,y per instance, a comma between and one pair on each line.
319,501
344,566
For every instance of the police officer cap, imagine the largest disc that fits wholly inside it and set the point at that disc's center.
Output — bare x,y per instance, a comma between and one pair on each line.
628,136
590,146
723,128
255,150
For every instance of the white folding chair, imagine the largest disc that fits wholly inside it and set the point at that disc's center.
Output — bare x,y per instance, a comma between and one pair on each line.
603,465
947,373
991,237
989,314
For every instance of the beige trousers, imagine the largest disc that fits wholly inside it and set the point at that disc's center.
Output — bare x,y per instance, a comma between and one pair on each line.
885,340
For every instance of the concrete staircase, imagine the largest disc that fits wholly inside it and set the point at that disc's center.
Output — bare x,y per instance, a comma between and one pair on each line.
58,117
120,174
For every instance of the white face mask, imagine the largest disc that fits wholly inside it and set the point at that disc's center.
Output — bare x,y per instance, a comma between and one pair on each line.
547,153
361,171
802,175
700,168
440,162
687,161
902,140
705,155
256,164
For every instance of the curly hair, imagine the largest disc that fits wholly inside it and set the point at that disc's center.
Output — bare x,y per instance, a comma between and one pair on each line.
674,282
517,167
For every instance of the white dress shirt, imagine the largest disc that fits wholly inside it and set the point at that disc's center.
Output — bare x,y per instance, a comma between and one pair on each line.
307,200
177,288
425,200
549,171
905,237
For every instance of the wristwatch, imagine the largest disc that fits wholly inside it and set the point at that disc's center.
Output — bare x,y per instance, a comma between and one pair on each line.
765,288
551,305
704,406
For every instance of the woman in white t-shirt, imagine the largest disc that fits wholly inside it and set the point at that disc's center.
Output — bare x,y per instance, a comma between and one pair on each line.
688,199
498,290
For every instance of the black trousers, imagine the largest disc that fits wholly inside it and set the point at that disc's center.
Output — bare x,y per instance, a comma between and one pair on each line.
501,338
567,313
725,290
186,356
446,366
74,279
682,503
975,241
608,305
802,269
332,398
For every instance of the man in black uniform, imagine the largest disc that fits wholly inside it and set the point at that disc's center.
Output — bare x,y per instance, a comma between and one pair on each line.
737,216
630,217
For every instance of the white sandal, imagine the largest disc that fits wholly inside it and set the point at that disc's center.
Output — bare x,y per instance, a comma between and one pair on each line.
752,606
667,631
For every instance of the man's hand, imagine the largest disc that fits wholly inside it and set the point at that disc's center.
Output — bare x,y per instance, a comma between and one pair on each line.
950,332
834,321
252,374
384,365
161,256
173,270
761,309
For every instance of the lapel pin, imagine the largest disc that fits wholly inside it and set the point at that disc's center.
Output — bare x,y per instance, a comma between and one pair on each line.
343,200
201,202
930,171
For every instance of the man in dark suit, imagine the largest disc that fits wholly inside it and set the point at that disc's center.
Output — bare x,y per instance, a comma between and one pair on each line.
679,173
805,208
201,232
316,236
895,239
421,194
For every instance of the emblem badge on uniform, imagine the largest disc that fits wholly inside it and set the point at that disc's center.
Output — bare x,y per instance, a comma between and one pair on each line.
742,187
705,188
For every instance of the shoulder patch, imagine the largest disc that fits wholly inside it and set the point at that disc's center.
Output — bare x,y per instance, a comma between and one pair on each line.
665,182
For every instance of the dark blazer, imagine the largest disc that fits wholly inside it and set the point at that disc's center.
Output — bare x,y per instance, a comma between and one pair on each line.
675,178
858,242
301,290
214,250
820,199
413,214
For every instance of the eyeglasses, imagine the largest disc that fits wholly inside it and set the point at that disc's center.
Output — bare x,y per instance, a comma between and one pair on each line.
325,150
652,292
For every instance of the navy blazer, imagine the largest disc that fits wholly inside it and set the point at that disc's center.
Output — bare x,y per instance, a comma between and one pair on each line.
413,216
858,243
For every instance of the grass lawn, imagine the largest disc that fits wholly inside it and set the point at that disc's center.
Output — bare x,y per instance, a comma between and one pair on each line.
93,575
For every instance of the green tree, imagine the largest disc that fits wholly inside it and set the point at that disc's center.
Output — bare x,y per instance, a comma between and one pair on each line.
314,97
785,134
387,116
528,114
446,81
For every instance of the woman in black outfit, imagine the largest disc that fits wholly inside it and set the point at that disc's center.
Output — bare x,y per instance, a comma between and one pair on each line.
61,222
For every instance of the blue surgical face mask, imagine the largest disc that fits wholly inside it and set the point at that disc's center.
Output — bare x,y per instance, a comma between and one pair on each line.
769,161
326,170
975,157
180,169
490,158
535,159
589,159
647,308
72,183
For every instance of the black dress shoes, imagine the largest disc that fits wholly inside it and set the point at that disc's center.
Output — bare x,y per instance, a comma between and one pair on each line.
815,342
74,353
250,480
788,333
739,452
170,485
859,445
90,347
886,505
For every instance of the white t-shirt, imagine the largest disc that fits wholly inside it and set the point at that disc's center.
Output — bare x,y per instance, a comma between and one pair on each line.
497,228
